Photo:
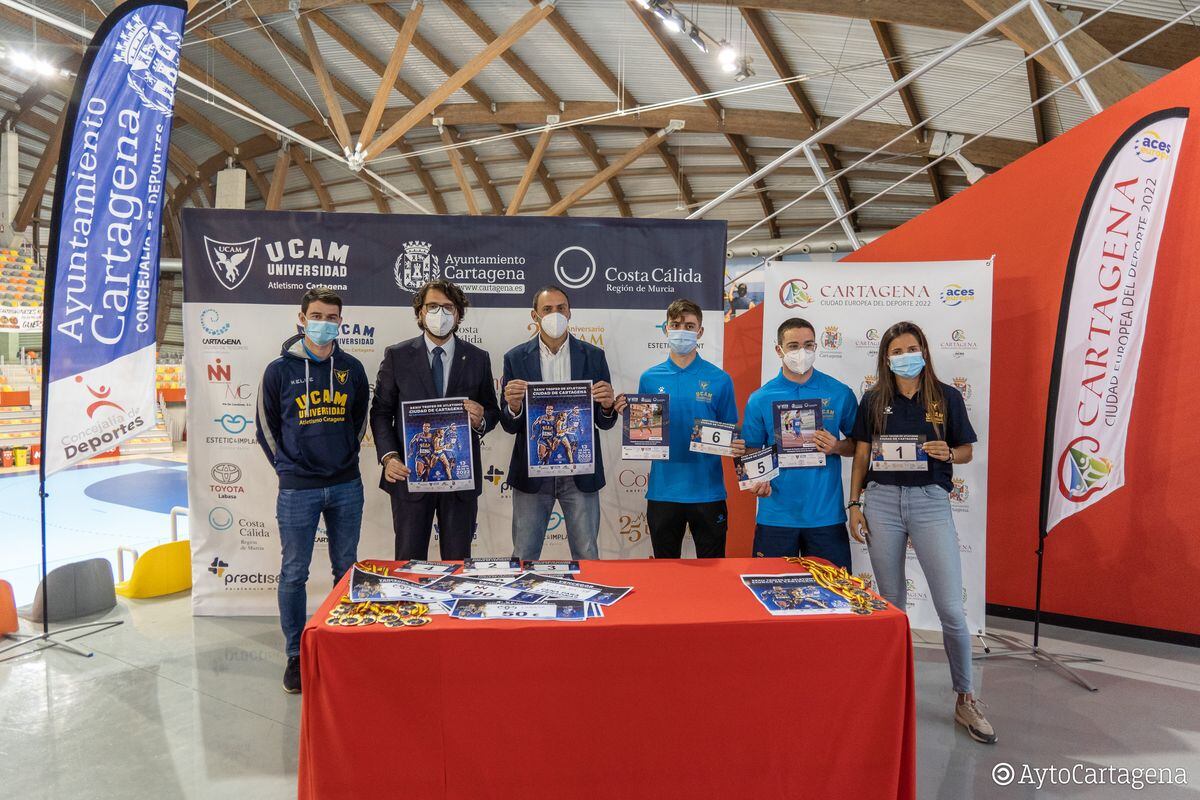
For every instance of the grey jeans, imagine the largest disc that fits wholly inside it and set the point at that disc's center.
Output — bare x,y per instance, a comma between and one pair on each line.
531,515
896,514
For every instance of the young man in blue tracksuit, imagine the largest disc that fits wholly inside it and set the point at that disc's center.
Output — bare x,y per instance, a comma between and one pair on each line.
801,512
687,490
312,414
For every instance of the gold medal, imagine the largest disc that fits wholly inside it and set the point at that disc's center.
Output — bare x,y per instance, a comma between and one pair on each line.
350,619
415,621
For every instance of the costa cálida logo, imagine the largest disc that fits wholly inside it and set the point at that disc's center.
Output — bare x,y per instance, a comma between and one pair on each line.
794,294
1082,471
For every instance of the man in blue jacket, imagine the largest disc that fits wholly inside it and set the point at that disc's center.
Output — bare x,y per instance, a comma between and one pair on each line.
688,490
554,355
801,512
312,415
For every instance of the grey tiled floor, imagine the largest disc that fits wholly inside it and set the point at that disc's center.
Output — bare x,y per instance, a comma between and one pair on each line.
176,707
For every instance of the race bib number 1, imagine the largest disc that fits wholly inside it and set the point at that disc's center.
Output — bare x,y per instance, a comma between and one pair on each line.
899,453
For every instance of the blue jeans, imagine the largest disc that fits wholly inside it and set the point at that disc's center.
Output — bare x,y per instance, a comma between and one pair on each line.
896,514
298,511
531,515
830,542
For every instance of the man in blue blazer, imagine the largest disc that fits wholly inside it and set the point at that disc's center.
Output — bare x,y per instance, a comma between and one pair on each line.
435,364
554,355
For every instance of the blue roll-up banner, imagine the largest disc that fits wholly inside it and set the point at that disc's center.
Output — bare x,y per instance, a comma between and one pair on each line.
102,259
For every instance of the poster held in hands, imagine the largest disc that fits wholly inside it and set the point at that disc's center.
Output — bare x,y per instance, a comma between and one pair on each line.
559,429
644,428
796,424
438,445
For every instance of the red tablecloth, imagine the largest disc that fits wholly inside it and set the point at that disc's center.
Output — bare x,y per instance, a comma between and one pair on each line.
687,688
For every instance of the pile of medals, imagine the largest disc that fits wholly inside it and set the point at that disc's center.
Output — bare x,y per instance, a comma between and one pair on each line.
390,615
839,581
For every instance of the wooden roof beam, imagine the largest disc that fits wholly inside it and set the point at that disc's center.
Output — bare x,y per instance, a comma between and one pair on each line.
464,74
600,177
459,173
279,177
340,131
531,169
388,79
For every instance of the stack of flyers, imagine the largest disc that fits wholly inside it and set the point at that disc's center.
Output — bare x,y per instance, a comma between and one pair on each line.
428,567
559,429
791,595
796,425
756,466
372,587
466,588
644,428
491,566
438,445
545,610
565,589
710,436
552,567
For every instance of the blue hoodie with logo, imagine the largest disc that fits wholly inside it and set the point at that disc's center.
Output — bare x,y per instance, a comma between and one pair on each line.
312,415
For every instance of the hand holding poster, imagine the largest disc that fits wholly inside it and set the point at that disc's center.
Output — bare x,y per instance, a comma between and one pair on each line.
796,423
438,445
644,428
559,429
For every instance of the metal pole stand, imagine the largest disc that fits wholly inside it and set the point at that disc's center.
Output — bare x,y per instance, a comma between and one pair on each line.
1018,649
51,640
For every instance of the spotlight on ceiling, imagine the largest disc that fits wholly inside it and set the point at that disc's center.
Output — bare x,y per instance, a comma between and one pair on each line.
951,143
674,22
697,39
727,56
743,69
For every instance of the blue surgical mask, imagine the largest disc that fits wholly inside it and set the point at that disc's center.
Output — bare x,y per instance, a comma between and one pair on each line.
907,365
320,333
682,342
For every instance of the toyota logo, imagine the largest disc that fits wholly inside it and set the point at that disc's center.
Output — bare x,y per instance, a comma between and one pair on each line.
574,281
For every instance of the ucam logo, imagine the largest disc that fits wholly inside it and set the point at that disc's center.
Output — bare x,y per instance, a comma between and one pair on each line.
416,266
231,261
1082,471
794,294
577,270
955,295
1150,147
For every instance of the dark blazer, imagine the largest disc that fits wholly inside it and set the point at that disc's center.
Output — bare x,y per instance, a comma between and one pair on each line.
524,362
405,374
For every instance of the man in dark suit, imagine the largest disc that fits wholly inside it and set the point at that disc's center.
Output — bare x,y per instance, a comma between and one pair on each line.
554,355
435,364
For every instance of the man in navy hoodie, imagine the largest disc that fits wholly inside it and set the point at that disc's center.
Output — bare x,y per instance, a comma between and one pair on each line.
312,414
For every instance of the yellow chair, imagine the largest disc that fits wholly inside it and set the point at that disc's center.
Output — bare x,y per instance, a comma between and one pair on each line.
163,569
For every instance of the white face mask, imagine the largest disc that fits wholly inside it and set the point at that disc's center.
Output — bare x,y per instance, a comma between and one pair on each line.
554,325
438,322
799,361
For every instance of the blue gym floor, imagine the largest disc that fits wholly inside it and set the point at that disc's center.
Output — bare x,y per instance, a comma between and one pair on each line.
90,511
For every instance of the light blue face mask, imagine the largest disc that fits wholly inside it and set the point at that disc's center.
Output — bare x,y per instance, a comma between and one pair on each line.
907,365
682,342
320,333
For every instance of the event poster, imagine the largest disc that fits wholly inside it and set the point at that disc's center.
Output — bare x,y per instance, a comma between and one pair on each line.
644,432
438,445
558,424
796,425
757,466
851,305
245,273
794,595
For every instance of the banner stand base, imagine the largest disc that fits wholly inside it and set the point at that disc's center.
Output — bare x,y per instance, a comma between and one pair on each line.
1019,649
51,641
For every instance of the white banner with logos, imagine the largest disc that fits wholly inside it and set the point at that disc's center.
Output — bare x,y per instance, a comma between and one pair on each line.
1102,322
850,305
236,317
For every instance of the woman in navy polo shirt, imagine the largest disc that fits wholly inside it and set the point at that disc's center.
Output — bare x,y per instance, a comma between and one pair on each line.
910,430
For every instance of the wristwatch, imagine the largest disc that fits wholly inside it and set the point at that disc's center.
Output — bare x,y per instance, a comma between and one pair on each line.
853,503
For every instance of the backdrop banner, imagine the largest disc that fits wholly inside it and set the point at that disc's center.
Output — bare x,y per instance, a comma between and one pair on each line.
244,273
1105,303
102,259
850,305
